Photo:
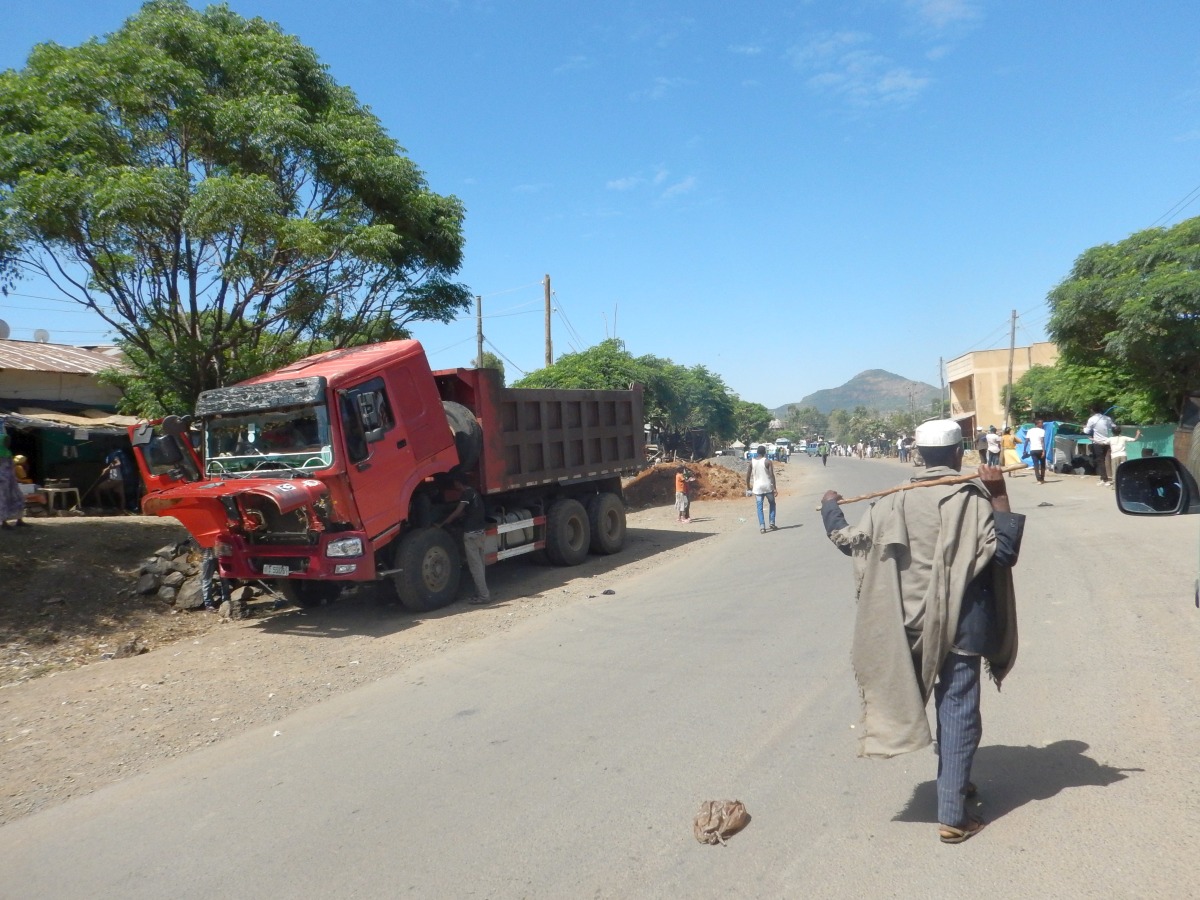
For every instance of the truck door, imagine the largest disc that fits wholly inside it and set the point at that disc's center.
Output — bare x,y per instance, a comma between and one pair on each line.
377,454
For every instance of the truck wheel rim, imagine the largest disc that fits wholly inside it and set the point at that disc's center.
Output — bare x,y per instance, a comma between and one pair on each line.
435,569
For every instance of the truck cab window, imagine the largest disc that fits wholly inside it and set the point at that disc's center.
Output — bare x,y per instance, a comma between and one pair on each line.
366,417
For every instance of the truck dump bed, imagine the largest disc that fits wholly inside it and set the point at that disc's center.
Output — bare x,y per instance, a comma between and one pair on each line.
542,436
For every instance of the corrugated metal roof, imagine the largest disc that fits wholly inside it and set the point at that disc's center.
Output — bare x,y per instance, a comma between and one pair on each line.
32,356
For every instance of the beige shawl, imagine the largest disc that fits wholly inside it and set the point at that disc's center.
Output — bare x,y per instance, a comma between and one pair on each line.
915,552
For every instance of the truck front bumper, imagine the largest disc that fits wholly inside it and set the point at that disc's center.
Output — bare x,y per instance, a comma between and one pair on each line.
337,556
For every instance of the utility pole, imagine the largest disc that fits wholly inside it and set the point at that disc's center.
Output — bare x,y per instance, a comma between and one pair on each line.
549,346
945,410
478,331
1012,349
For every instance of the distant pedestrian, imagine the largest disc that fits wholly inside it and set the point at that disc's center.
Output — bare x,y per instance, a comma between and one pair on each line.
1118,446
993,446
760,481
684,479
1035,449
823,450
12,501
1099,428
981,445
1008,446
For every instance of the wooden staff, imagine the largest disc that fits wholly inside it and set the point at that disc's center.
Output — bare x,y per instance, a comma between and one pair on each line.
949,479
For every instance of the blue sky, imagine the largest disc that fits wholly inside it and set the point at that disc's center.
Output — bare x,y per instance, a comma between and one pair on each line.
786,192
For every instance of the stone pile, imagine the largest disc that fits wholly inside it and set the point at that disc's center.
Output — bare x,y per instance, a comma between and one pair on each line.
172,575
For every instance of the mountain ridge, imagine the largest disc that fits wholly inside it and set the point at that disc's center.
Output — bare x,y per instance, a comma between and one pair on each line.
876,389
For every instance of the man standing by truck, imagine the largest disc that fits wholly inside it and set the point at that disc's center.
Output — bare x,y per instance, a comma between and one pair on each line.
470,510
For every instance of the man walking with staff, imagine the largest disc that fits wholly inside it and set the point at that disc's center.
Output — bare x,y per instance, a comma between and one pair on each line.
933,568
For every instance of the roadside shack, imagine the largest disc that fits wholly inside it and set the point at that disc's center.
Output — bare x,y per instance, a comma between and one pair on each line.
62,419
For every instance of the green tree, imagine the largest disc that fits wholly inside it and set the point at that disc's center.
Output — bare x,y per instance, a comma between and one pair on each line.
806,421
676,397
490,361
1067,391
750,421
1135,305
201,182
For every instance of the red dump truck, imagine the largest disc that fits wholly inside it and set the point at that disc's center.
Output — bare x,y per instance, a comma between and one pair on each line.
326,472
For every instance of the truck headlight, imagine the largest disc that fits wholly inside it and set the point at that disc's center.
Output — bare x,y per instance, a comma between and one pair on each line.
345,547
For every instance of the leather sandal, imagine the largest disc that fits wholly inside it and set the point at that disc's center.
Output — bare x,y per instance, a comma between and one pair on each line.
948,834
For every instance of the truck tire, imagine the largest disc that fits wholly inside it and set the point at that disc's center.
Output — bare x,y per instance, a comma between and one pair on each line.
606,516
568,533
308,594
430,567
468,436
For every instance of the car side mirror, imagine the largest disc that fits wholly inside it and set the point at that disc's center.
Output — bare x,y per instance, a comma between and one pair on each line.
1156,486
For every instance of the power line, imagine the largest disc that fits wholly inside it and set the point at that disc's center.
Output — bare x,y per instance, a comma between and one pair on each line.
503,357
1179,207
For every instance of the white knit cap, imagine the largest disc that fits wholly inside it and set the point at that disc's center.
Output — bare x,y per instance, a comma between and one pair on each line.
938,433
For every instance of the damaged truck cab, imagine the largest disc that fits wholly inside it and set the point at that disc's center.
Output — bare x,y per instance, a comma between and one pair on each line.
325,472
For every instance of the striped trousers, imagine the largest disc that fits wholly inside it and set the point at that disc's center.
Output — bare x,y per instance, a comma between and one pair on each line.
959,729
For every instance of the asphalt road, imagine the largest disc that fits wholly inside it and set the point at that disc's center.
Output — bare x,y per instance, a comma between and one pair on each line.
567,757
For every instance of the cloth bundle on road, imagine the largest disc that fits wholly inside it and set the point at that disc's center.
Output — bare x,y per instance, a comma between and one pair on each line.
719,819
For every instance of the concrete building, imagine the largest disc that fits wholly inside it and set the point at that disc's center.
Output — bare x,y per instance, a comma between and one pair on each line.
977,381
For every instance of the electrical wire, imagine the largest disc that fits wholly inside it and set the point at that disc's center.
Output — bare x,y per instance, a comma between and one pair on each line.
503,357
563,314
1179,207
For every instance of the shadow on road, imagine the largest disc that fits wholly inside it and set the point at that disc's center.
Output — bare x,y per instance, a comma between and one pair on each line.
1010,777
372,609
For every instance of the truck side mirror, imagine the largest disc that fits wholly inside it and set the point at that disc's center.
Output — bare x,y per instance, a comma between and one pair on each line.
1156,486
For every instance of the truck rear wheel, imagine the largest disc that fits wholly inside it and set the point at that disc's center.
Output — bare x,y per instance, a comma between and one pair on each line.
568,533
606,515
430,566
468,436
308,594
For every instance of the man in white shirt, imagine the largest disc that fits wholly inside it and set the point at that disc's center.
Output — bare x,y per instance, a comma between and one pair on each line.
1035,443
1100,428
993,446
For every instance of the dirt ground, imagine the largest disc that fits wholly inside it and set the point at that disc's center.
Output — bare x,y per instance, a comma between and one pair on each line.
81,705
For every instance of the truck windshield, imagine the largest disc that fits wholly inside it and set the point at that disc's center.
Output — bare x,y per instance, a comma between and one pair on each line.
268,440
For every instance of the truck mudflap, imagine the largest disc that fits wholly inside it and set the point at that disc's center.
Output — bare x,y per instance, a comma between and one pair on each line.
204,507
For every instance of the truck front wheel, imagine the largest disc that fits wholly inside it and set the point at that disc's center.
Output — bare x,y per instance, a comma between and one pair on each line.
568,533
606,515
430,566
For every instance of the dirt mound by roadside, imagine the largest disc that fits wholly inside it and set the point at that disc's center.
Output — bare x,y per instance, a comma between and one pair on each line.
656,486
69,594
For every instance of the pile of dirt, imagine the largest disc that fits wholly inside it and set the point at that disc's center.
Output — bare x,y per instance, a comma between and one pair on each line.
69,594
656,486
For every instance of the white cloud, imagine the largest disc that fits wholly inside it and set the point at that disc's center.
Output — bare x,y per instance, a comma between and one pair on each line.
625,184
574,64
746,49
662,86
941,14
686,186
843,64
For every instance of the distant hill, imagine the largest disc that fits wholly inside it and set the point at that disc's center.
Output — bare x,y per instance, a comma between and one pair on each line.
874,389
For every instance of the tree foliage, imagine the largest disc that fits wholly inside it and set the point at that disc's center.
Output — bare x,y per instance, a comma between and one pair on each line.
1067,391
490,361
750,421
1132,311
677,398
201,182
